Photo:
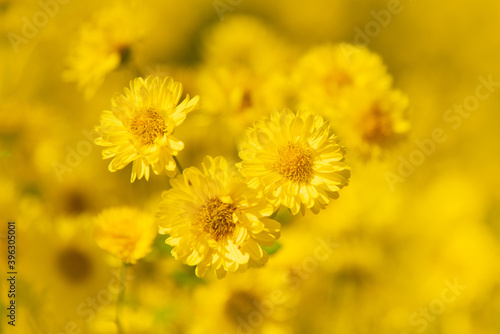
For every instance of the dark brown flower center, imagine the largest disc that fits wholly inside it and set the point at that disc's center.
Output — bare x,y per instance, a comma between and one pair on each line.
216,218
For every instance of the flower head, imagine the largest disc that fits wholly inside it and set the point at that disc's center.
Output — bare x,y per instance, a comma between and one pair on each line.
103,44
244,41
126,233
351,86
374,122
222,306
327,75
236,97
295,160
215,220
245,73
140,126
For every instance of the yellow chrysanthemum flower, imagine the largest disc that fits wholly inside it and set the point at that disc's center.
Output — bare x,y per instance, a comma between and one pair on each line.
244,73
140,126
126,233
237,97
233,305
352,88
374,122
215,220
295,160
244,41
327,74
103,44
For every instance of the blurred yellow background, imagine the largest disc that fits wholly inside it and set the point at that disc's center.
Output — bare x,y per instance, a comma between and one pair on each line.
411,246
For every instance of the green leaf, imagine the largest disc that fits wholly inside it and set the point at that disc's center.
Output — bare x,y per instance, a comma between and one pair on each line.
270,250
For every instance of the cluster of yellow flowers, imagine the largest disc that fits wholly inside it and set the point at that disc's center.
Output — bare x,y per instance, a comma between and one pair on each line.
248,167
218,217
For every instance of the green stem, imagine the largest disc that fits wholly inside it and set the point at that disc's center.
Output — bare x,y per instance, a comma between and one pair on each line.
119,301
179,167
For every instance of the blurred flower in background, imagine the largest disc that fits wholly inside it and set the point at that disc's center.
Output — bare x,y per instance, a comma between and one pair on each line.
350,85
125,233
103,44
397,98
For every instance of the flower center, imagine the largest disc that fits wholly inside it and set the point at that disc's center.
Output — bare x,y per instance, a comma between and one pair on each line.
375,125
240,305
74,265
246,100
147,125
75,201
216,218
294,162
336,80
